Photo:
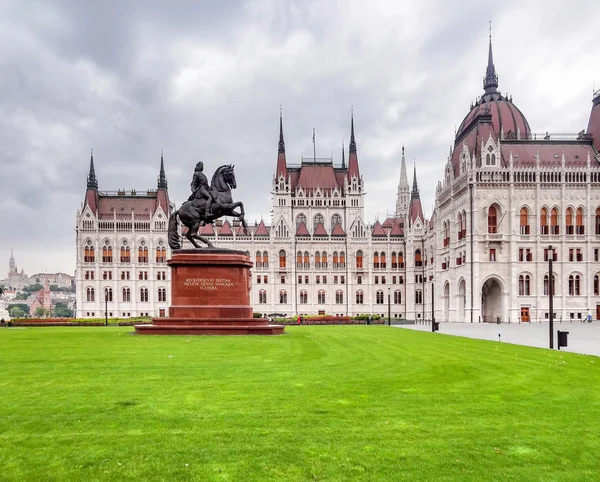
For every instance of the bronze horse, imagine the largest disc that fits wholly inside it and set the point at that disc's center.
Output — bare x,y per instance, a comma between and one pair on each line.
191,213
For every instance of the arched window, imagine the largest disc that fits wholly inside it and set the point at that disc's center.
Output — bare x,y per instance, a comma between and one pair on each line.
161,254
282,259
107,254
265,259
394,260
446,233
379,297
335,219
460,226
108,294
418,258
574,285
162,294
359,297
143,254
126,295
303,297
524,285
306,259
524,220
90,295
546,284
596,285
400,260
144,295
125,254
258,260
262,297
323,259
376,259
554,229
569,221
321,297
492,220
342,259
359,259
597,220
299,259
579,228
282,297
339,297
544,221
418,297
317,259
382,260
397,297
301,218
89,256
336,260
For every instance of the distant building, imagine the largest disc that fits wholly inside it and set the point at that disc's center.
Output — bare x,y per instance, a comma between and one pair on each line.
43,299
122,250
62,280
15,278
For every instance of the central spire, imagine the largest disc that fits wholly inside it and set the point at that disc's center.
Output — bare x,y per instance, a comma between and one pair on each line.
352,140
92,181
162,178
415,189
281,142
490,81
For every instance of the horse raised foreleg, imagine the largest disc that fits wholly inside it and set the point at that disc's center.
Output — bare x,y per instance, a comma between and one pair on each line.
204,240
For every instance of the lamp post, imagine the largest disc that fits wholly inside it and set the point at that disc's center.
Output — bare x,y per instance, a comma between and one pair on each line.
389,306
432,307
105,307
550,294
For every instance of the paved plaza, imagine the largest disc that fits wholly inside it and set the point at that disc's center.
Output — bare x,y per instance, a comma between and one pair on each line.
583,338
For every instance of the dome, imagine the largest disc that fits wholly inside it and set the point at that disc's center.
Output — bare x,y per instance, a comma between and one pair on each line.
506,117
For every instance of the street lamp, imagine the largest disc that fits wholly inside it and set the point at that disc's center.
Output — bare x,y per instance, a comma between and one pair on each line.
389,307
106,307
550,294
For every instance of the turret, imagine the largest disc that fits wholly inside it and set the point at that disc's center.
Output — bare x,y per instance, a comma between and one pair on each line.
403,194
281,162
91,193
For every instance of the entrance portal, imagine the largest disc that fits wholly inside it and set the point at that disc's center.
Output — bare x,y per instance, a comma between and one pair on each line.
525,314
462,300
491,300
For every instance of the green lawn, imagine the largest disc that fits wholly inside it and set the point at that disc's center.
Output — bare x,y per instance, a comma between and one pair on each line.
319,403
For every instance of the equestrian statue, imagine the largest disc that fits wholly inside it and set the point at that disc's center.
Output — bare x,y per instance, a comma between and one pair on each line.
205,204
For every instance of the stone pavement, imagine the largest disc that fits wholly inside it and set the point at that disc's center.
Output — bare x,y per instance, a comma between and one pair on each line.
583,338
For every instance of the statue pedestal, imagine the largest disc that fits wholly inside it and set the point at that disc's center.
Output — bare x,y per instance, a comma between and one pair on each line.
210,291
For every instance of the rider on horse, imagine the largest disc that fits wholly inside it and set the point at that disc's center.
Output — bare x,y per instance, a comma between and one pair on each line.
201,188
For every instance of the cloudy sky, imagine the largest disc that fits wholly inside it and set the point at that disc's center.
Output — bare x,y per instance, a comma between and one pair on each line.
204,80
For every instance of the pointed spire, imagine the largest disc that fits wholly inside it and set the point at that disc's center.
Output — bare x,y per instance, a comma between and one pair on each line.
415,189
281,143
403,175
352,140
92,181
490,81
403,189
343,157
162,178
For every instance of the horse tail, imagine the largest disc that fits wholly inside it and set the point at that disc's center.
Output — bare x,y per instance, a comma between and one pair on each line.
173,235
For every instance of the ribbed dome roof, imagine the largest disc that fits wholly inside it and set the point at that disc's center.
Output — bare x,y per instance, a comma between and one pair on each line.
505,115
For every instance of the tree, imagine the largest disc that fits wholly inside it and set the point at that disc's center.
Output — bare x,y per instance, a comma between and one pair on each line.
16,312
61,310
21,296
22,306
40,312
34,287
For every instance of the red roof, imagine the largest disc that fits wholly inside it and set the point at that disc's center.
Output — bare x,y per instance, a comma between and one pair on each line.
415,210
396,230
207,230
302,230
142,205
338,230
378,230
550,154
320,230
593,127
240,231
321,176
261,230
226,229
91,200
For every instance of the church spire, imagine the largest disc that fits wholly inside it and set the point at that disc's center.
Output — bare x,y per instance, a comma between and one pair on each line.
162,178
490,81
352,140
281,142
92,182
343,157
403,194
415,189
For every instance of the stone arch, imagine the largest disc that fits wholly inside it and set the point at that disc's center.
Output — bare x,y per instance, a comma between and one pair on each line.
446,301
461,298
492,298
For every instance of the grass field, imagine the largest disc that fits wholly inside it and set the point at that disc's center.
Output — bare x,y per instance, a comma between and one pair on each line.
320,403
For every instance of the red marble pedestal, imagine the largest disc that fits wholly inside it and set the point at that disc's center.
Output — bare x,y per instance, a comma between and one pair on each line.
210,295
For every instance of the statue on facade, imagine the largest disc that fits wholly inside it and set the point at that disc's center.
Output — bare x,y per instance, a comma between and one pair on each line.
207,203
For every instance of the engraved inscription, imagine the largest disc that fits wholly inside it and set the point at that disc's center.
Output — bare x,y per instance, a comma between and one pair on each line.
209,284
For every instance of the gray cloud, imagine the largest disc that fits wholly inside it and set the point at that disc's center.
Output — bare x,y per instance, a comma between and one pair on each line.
205,80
